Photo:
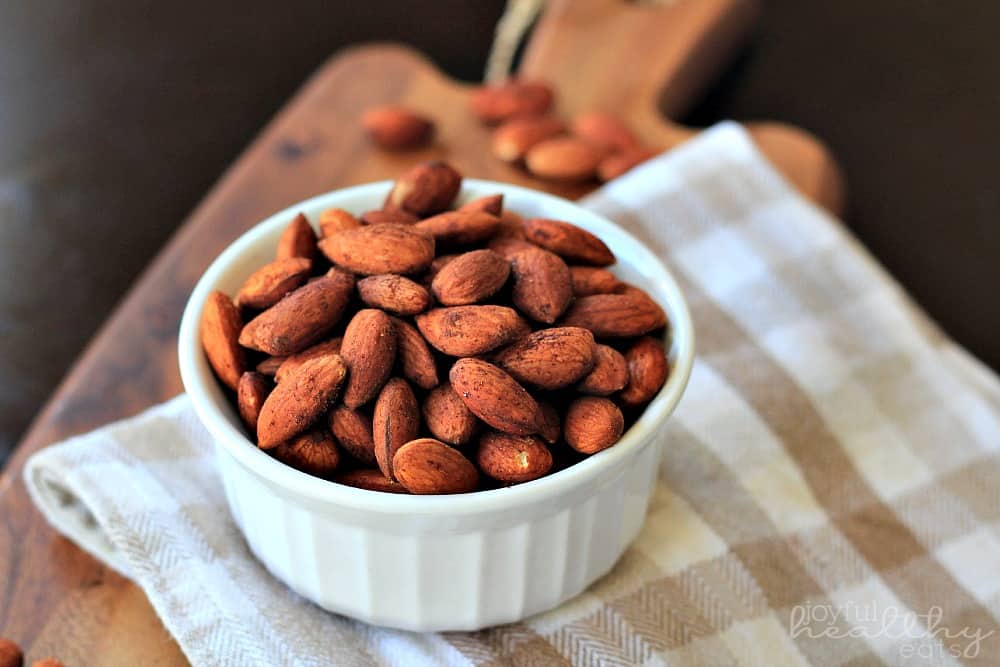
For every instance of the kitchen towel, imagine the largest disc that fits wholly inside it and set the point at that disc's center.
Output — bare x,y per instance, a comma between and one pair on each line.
829,493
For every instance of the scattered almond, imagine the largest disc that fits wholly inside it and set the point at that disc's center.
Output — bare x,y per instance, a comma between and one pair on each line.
497,102
616,164
564,159
397,128
428,188
513,139
605,130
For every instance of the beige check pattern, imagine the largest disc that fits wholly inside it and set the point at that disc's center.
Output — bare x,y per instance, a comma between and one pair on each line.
830,489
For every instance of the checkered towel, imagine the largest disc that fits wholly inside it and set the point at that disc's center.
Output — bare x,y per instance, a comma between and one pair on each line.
830,491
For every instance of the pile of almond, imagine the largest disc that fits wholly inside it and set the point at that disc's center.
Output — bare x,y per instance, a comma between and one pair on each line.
594,145
426,350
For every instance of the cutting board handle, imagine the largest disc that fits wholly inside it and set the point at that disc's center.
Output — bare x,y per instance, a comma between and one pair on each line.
649,61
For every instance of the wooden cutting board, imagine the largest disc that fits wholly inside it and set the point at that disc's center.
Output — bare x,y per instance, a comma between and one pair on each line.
633,59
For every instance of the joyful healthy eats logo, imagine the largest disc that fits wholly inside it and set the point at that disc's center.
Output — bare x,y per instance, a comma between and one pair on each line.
917,635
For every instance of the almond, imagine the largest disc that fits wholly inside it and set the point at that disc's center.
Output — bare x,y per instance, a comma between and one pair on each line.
268,284
495,397
383,216
492,204
369,350
610,373
460,227
550,358
615,315
592,424
375,249
298,240
551,427
508,246
335,220
11,654
220,331
568,241
396,128
605,130
497,102
465,331
396,421
427,466
447,417
426,189
589,280
617,164
369,480
313,452
513,139
564,159
301,318
353,431
415,359
300,400
513,458
439,263
543,286
250,395
270,365
393,293
292,362
472,277
648,370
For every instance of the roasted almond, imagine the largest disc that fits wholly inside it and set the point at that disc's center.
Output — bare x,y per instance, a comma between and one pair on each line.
270,365
447,417
382,216
435,268
251,392
589,280
568,241
512,140
615,315
550,358
616,164
551,427
592,424
543,286
395,422
269,283
301,318
396,128
465,331
298,240
495,103
513,458
605,130
335,220
648,370
292,362
427,466
396,294
472,277
369,350
564,159
610,373
492,204
460,227
426,189
300,400
369,480
375,249
313,452
353,431
415,359
508,246
220,331
495,397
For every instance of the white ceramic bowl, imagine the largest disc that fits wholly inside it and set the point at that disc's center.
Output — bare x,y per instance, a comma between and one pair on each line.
425,563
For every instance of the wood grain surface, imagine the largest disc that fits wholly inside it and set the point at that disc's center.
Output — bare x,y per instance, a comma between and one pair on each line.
601,54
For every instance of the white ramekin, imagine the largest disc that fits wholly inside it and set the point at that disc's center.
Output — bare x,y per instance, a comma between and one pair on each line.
426,563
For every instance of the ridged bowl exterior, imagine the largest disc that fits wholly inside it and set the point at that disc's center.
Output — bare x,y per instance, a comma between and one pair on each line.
436,563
